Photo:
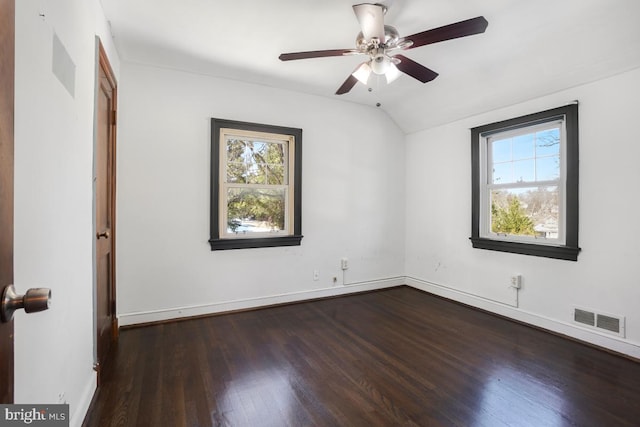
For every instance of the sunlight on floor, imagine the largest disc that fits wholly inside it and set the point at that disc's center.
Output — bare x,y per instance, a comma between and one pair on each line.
512,397
255,394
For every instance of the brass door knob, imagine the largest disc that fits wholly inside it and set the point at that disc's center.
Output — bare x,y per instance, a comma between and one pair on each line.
35,299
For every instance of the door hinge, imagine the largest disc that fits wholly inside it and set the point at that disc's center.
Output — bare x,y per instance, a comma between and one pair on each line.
113,117
113,307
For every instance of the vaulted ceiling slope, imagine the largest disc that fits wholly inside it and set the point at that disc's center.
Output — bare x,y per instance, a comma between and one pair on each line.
530,48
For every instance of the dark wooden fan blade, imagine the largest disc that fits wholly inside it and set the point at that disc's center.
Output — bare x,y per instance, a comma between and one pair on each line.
452,31
347,85
415,70
371,19
316,54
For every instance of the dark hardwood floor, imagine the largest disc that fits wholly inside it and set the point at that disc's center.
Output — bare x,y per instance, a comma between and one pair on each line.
385,358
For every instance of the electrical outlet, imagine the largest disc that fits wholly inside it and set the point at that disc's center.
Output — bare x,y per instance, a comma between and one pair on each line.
62,398
344,263
516,281
316,275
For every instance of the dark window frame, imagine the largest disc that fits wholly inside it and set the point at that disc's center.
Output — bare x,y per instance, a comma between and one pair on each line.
294,239
569,251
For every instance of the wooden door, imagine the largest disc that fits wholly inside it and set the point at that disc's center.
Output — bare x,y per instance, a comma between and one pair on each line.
7,49
106,322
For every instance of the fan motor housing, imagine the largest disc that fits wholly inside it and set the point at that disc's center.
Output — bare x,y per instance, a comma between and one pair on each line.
391,37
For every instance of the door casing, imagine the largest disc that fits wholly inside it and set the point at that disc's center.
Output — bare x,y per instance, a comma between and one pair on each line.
7,88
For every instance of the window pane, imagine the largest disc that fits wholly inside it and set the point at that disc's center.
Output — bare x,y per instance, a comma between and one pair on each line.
529,157
264,163
256,174
266,152
252,155
524,171
548,168
276,153
236,172
548,142
235,150
251,210
502,173
256,162
275,174
532,211
501,150
523,147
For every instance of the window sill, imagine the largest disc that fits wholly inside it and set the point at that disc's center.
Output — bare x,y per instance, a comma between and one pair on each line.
246,243
556,252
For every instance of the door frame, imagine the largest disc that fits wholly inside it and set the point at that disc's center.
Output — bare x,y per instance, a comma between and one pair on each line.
7,107
104,64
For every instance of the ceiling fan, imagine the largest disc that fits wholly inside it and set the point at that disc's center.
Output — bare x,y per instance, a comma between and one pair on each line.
382,42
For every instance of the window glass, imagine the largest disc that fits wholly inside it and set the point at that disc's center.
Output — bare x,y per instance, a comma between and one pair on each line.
251,210
529,211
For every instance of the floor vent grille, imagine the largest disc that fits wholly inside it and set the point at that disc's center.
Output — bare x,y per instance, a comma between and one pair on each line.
599,321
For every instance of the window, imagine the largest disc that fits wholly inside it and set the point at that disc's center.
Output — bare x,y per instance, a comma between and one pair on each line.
255,185
525,184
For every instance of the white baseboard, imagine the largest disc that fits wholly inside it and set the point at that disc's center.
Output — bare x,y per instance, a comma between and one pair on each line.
610,342
126,319
600,339
79,411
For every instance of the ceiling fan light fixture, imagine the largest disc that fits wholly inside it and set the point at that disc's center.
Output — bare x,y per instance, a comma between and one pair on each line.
392,73
380,64
362,73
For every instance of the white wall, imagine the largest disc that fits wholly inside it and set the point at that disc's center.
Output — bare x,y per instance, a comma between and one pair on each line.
53,201
606,277
353,198
352,203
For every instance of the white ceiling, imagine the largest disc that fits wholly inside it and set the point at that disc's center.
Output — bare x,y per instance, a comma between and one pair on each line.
530,48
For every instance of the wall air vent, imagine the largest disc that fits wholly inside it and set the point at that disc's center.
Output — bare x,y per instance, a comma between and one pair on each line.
609,323
584,317
599,321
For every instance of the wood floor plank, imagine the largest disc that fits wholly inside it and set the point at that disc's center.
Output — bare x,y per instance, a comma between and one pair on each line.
392,357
